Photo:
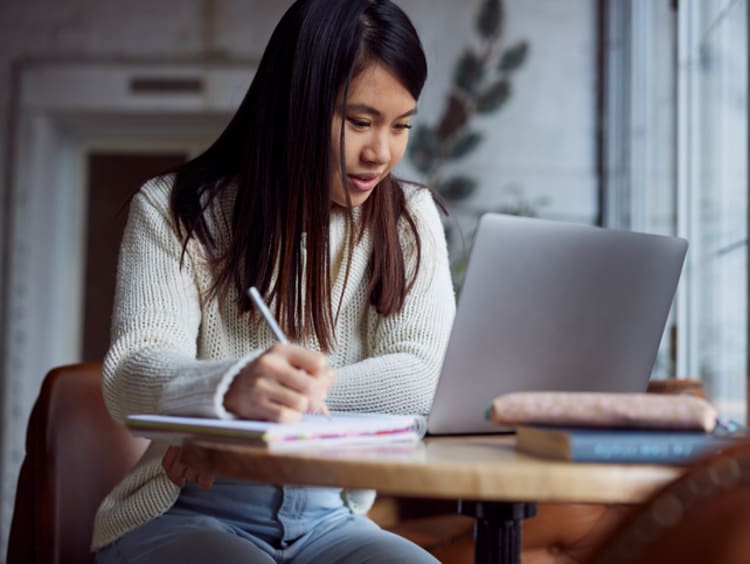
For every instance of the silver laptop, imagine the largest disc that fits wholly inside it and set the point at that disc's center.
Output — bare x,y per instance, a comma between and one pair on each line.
553,306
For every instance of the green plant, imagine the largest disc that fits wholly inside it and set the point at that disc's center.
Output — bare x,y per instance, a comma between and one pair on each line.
481,86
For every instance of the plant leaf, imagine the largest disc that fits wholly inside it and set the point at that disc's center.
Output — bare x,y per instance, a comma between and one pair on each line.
493,97
469,72
490,19
457,188
423,149
454,118
462,144
514,56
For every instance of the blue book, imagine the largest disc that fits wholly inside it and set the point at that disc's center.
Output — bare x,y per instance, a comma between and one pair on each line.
646,446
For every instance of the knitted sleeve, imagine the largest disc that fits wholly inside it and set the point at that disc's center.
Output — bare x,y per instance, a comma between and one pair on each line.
405,350
151,366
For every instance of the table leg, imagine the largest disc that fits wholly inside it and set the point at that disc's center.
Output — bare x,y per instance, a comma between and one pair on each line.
497,530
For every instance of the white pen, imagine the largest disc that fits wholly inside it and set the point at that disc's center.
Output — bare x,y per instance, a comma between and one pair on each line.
275,329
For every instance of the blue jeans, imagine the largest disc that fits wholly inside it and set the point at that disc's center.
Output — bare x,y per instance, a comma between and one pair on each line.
252,523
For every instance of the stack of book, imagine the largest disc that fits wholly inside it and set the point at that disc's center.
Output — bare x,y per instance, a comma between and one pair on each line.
607,427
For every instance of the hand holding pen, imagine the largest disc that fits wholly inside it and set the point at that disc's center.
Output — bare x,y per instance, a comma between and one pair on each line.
281,384
275,329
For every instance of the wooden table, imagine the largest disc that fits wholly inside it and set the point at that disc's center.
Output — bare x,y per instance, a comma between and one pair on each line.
496,485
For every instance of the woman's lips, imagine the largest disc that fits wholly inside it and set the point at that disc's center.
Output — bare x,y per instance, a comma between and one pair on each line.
363,183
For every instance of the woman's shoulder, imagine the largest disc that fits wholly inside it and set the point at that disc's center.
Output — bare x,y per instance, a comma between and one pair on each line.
413,189
157,190
420,201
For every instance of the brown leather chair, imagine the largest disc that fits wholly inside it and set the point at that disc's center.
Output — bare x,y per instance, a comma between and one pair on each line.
703,516
75,454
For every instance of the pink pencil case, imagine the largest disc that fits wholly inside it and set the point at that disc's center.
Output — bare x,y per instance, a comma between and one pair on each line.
588,409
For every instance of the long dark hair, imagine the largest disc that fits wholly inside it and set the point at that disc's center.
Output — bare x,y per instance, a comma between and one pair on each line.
276,151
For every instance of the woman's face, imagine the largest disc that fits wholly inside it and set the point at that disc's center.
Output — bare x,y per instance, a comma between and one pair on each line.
377,116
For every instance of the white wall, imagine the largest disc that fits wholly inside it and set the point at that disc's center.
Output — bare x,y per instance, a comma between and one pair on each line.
542,142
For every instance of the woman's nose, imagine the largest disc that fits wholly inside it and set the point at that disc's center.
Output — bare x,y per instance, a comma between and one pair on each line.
377,149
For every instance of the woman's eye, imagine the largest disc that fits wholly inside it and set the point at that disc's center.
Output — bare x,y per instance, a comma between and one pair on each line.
359,122
402,126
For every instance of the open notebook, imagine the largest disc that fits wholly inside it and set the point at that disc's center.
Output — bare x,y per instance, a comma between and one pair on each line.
313,430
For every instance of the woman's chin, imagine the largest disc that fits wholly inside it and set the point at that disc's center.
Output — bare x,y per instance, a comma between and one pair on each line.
356,199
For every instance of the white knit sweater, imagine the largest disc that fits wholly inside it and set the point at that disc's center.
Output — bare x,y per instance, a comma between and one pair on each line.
174,352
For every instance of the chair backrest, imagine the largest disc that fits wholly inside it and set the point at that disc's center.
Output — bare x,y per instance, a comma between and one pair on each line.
75,454
703,516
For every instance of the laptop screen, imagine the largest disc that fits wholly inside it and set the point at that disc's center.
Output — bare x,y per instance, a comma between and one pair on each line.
549,305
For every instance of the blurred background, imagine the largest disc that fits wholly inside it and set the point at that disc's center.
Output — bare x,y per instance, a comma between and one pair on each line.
631,114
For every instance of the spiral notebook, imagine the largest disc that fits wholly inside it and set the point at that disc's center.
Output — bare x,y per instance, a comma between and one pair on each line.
312,430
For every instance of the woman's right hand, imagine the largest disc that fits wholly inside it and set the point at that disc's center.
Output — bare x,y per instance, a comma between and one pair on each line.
280,385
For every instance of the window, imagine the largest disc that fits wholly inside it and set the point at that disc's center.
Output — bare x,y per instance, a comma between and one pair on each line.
639,47
675,161
713,192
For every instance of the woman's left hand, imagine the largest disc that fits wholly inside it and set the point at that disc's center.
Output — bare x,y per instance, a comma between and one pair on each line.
179,474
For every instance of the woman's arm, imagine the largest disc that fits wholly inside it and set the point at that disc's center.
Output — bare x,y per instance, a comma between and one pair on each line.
151,366
405,350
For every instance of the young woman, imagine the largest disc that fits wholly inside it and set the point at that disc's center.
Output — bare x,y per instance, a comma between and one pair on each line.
296,197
